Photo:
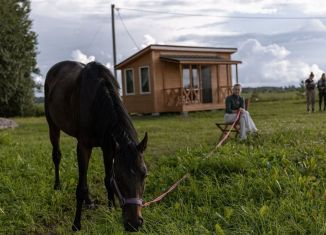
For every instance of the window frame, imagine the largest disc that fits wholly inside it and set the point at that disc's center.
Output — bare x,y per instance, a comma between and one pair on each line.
140,81
183,75
191,68
194,67
133,81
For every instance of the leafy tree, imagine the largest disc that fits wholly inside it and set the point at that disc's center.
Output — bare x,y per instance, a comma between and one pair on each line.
17,58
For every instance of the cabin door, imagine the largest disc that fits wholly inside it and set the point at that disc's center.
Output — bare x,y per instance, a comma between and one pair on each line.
206,80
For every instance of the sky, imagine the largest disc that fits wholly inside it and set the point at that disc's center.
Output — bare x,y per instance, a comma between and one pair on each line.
279,41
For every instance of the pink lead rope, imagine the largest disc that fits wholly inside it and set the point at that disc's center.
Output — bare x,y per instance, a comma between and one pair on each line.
176,184
159,198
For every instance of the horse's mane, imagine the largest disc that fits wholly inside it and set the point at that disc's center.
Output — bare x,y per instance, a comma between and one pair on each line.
109,114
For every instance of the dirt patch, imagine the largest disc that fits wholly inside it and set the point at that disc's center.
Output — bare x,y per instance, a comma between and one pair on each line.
7,123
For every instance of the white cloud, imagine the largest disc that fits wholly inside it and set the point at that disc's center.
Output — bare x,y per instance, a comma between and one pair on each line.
251,7
284,50
79,56
223,6
148,40
313,25
109,66
69,9
270,65
274,50
310,7
39,81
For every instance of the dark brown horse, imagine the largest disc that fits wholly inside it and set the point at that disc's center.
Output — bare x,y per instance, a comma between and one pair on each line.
83,101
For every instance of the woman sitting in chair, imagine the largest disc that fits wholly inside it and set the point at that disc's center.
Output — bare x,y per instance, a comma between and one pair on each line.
234,104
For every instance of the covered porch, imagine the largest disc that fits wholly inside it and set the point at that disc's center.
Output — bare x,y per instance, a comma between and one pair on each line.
203,82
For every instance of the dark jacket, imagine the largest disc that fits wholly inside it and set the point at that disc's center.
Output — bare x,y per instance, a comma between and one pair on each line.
321,85
233,102
310,84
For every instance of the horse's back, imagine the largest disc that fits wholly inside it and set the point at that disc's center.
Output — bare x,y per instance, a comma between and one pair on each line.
62,94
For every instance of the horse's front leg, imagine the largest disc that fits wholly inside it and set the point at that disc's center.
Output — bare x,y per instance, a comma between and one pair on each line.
83,156
107,158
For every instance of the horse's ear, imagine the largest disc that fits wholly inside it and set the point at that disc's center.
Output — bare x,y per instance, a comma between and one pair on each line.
143,144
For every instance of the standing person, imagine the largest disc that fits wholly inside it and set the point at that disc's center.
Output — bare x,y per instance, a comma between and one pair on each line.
321,85
234,104
310,92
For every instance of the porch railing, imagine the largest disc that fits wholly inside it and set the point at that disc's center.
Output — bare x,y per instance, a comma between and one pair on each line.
182,96
174,97
222,92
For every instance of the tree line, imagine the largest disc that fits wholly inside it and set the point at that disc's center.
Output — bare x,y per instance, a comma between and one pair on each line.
18,45
270,89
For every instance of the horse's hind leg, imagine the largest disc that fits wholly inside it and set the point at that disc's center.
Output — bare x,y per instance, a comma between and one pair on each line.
83,156
56,153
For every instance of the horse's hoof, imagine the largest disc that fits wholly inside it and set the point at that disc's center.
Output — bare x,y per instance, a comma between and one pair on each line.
91,206
111,205
75,227
57,187
88,200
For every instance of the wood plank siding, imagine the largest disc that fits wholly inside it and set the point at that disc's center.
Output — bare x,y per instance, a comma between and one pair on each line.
181,79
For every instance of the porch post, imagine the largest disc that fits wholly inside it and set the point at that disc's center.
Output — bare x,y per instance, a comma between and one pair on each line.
236,70
181,82
227,75
218,83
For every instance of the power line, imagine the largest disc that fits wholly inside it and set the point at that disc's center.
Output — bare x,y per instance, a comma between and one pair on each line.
225,16
99,28
132,39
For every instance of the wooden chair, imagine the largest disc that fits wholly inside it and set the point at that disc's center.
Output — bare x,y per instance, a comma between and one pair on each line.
226,127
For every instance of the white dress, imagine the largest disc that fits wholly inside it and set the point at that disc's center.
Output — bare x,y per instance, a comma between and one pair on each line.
246,123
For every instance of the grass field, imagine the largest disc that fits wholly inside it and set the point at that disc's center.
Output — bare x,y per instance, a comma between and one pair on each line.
271,184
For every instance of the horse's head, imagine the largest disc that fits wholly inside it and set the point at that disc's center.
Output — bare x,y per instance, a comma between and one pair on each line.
129,182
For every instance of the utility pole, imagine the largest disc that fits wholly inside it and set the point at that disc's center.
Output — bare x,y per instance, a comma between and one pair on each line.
113,41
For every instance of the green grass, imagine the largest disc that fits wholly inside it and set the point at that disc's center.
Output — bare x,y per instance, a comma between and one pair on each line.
273,184
274,95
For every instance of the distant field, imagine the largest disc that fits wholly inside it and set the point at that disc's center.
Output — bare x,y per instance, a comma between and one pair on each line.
274,95
273,184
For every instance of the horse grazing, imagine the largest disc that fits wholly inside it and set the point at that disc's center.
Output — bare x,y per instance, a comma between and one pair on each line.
83,101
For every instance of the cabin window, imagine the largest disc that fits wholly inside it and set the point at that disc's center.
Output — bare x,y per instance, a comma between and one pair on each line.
190,76
144,80
186,76
195,76
129,81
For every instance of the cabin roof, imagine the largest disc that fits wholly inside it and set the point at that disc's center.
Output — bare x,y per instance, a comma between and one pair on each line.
174,48
197,59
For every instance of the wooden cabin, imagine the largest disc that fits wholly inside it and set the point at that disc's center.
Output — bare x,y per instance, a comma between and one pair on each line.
165,78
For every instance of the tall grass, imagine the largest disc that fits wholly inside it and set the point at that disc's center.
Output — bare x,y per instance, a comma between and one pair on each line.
271,184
